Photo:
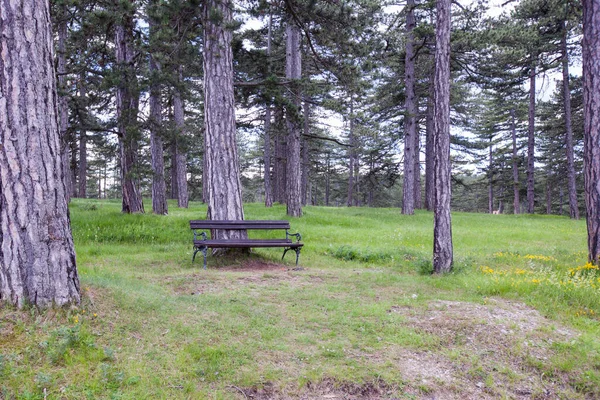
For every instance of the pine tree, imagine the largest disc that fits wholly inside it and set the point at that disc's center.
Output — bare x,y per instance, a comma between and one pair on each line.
37,261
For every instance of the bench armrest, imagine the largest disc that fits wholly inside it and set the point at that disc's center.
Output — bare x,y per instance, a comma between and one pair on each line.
201,234
297,235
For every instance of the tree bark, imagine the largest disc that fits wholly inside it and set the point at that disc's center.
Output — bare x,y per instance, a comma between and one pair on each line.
293,71
417,186
127,102
515,162
591,116
327,178
429,185
82,167
573,206
442,226
491,179
267,158
279,167
531,144
222,175
179,158
267,134
305,154
37,257
63,100
351,157
410,115
159,187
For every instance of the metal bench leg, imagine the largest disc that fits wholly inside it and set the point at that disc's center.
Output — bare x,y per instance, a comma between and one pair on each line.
297,250
284,252
204,250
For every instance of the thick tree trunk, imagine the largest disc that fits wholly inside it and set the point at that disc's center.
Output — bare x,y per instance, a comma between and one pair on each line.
442,226
591,116
429,135
515,162
179,158
127,102
531,144
293,71
159,187
37,257
222,175
305,154
410,115
573,206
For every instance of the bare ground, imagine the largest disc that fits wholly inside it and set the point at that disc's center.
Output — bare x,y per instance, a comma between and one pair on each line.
488,351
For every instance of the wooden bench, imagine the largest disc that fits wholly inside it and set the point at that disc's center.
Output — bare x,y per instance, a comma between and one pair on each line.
202,243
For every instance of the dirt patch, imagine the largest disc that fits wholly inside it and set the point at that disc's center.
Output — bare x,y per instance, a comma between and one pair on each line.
328,389
255,266
485,351
251,272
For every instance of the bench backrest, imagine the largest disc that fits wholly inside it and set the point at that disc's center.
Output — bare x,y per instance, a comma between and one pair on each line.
239,225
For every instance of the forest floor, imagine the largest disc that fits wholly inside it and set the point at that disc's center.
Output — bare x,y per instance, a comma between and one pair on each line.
361,317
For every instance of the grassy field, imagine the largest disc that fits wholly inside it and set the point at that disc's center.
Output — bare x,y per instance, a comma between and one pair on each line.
362,318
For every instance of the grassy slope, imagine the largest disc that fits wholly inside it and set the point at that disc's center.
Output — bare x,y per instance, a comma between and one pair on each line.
152,325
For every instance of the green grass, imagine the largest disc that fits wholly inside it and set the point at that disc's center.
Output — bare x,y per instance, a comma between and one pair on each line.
364,315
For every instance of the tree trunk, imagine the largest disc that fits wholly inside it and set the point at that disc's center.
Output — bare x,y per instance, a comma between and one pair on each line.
410,115
267,158
293,71
173,154
531,144
591,116
548,194
82,167
327,178
491,179
573,206
222,175
279,167
351,157
159,187
418,197
429,135
63,101
267,134
305,154
442,226
127,102
179,159
37,257
515,162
